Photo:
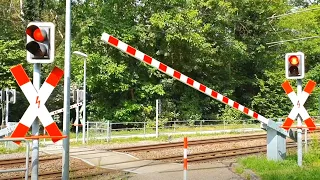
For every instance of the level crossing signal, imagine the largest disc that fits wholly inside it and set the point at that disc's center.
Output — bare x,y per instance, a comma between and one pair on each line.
40,42
294,65
11,96
2,95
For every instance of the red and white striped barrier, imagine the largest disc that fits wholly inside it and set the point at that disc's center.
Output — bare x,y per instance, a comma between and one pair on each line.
62,109
37,102
298,102
179,76
185,158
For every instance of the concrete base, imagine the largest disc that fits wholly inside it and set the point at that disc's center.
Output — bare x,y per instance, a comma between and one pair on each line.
276,147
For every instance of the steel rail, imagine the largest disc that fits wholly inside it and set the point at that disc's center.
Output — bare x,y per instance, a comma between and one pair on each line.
22,160
227,153
190,143
57,174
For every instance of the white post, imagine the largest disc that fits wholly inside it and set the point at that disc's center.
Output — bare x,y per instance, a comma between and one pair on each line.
144,128
44,133
66,97
306,140
157,118
35,126
84,101
84,94
96,130
87,131
185,159
7,107
110,130
299,124
108,135
77,116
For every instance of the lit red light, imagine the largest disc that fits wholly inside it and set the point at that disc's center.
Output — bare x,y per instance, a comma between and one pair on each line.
294,60
38,35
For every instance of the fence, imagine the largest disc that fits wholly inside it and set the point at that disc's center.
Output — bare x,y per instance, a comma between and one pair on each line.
26,169
108,130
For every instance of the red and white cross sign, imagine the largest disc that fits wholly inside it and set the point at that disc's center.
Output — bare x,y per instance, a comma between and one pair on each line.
298,102
37,102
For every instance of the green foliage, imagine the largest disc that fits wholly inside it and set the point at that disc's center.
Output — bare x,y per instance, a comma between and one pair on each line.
220,44
272,101
231,115
10,55
19,149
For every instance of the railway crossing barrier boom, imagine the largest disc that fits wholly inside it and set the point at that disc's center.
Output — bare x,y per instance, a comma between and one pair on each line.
276,134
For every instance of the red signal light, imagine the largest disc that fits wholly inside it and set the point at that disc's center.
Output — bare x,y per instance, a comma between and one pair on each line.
39,35
36,33
40,42
294,60
294,65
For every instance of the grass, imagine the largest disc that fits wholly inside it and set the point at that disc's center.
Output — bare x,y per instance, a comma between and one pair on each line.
19,149
286,169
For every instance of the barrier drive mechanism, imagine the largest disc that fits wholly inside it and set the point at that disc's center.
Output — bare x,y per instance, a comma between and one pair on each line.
37,102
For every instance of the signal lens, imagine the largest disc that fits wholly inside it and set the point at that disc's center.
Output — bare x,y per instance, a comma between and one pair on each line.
38,35
294,60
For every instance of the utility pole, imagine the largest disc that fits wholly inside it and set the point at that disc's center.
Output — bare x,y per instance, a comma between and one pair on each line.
66,97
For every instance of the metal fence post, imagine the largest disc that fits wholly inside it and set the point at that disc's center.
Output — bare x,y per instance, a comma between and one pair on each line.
144,128
157,118
306,140
108,131
96,130
88,131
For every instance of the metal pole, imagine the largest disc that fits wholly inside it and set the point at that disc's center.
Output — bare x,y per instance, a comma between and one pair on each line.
157,118
35,126
27,159
319,105
108,135
77,116
7,106
299,124
87,131
144,128
84,101
185,159
110,130
306,140
66,97
2,115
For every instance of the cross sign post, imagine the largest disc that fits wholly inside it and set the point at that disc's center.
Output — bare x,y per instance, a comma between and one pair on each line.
298,101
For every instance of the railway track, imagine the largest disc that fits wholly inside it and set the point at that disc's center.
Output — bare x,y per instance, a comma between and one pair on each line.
90,171
57,174
226,153
23,160
190,143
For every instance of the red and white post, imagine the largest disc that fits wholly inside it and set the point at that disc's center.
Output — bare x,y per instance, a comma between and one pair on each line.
185,159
